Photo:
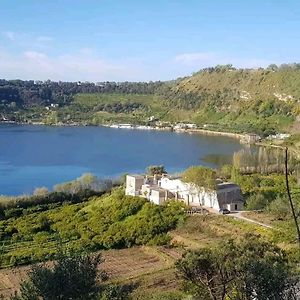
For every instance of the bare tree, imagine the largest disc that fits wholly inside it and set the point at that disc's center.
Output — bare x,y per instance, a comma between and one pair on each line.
295,215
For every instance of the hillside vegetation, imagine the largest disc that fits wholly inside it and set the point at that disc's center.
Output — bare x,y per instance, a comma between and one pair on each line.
106,222
224,98
239,99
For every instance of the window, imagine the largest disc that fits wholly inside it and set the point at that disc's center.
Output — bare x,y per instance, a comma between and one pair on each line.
235,207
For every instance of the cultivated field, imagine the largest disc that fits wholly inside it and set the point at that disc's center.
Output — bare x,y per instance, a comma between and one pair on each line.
153,267
123,266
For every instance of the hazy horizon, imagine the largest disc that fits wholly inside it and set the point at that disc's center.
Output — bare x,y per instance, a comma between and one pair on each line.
142,41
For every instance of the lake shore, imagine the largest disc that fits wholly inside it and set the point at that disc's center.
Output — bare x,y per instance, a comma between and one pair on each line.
200,131
211,132
138,127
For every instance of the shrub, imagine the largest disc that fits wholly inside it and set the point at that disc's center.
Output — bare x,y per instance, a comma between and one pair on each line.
256,201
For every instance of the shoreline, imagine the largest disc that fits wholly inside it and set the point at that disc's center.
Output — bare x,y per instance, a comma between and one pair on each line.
212,132
136,127
200,131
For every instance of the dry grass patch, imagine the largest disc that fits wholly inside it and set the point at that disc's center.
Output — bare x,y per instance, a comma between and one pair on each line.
201,231
131,263
121,265
259,217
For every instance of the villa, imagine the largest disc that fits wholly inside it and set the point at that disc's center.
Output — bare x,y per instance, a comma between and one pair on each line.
158,189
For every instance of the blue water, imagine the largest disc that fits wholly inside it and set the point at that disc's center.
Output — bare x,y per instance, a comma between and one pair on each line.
35,156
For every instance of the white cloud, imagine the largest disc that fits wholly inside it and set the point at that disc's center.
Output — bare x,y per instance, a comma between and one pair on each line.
24,40
9,35
44,39
35,55
86,65
83,65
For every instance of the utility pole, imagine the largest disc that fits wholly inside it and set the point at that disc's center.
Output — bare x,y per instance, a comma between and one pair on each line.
289,195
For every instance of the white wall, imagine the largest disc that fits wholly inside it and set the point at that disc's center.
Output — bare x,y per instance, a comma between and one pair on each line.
133,185
156,197
191,195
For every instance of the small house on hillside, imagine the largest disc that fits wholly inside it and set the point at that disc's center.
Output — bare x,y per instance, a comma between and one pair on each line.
158,189
250,138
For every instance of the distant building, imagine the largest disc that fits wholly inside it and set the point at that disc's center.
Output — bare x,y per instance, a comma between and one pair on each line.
278,136
191,126
158,189
250,138
180,126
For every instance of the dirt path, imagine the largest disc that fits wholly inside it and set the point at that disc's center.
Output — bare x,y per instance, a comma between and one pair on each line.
238,215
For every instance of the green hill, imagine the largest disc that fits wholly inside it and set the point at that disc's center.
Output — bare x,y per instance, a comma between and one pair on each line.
240,100
220,98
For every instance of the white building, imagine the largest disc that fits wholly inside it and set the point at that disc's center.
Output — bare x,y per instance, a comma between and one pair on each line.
278,136
134,185
180,126
157,190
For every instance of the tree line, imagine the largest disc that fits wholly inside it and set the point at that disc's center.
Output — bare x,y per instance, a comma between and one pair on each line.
30,93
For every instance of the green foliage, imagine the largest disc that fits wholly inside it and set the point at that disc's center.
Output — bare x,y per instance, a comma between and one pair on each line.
256,202
163,295
294,139
267,192
116,292
281,208
237,100
200,177
156,170
73,276
270,184
76,191
85,182
111,221
246,269
225,172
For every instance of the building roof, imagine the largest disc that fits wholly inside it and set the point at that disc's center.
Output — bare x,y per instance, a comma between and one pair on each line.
227,185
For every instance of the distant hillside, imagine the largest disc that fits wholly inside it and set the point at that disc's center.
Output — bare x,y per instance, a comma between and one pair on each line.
221,98
243,99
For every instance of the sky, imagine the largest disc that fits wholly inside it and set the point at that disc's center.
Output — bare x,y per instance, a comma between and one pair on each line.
129,40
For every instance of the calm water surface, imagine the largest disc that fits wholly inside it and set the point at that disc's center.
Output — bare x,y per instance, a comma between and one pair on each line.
35,156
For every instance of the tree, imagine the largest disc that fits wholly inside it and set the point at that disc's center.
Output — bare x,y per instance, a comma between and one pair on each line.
257,201
156,170
86,181
207,271
247,269
225,171
200,177
71,277
41,191
272,67
294,213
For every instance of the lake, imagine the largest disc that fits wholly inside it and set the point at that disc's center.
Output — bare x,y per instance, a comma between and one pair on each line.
35,156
